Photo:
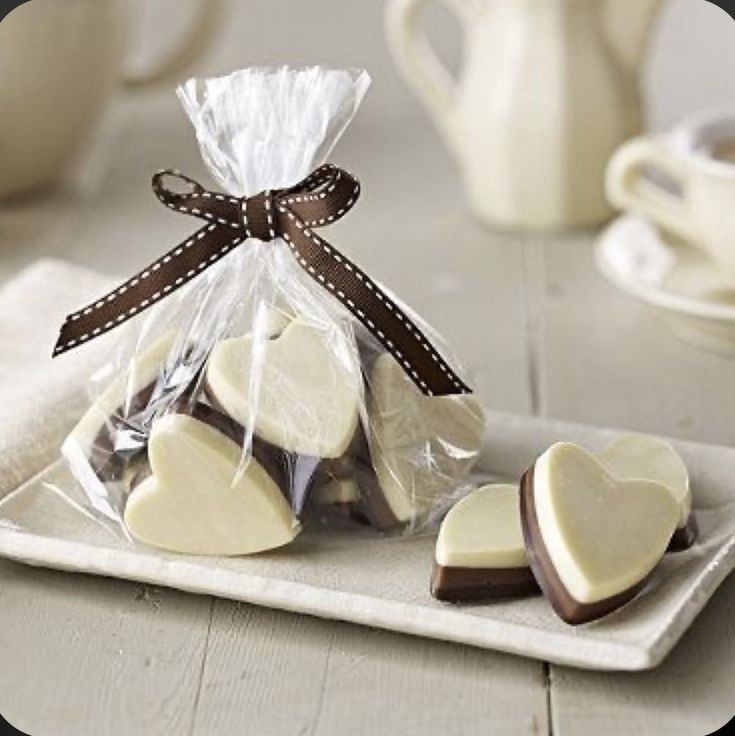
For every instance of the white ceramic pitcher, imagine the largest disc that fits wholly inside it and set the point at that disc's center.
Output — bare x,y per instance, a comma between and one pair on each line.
548,90
59,62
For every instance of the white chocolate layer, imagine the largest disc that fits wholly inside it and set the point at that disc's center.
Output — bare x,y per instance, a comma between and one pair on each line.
483,531
274,321
310,388
196,502
641,456
143,370
421,446
337,490
603,535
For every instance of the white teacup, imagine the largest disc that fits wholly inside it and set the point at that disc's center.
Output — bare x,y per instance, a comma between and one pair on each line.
59,63
698,158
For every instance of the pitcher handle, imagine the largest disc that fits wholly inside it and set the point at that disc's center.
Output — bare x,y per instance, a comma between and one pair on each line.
629,188
194,43
419,62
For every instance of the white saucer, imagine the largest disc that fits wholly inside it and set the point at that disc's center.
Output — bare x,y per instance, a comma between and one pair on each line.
696,298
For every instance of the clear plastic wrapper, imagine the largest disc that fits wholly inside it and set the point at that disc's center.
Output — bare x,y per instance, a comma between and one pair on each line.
250,403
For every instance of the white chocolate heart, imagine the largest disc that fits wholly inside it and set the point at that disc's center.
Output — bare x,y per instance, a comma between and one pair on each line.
309,393
421,446
142,372
484,531
641,456
603,535
199,501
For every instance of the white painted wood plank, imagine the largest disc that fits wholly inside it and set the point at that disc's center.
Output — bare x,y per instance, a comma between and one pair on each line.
264,672
292,674
381,683
691,694
89,656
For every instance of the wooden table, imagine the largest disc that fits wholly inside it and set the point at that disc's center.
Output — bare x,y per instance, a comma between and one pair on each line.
540,330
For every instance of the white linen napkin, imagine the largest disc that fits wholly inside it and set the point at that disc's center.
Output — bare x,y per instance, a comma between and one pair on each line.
41,398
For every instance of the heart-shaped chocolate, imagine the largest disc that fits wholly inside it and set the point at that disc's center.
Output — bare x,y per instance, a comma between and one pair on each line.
421,446
300,390
643,456
480,552
198,500
592,539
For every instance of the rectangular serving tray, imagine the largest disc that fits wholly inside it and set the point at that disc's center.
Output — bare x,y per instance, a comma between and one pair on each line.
365,579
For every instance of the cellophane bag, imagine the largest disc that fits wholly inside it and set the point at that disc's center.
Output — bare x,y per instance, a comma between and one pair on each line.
250,404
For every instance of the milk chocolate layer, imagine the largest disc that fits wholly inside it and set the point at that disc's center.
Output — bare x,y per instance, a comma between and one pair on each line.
469,584
373,508
298,473
566,607
369,508
344,466
685,536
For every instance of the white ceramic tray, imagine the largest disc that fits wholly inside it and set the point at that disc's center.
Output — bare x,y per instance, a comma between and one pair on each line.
384,583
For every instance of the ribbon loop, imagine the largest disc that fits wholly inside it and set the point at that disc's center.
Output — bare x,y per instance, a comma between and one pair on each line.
292,214
322,198
197,201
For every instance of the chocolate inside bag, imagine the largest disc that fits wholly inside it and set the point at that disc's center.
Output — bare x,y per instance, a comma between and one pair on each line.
251,402
329,442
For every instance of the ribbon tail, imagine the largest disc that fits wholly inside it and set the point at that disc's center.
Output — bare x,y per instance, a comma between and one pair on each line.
157,281
380,315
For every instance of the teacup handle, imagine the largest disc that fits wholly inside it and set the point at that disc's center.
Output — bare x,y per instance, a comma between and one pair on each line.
194,43
628,187
419,62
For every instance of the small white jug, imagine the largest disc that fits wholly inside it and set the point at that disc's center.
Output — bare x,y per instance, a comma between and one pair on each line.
549,89
60,60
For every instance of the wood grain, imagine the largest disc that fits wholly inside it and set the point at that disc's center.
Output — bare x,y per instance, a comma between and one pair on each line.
264,672
293,674
97,656
689,695
379,683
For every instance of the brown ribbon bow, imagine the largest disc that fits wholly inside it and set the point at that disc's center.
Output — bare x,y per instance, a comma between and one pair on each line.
292,214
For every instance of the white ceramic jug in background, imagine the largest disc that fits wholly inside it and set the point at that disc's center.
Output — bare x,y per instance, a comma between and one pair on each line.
548,90
59,62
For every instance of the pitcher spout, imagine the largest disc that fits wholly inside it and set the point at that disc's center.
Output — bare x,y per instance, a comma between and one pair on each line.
629,24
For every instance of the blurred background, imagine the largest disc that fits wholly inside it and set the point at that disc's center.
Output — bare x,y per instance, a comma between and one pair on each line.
413,229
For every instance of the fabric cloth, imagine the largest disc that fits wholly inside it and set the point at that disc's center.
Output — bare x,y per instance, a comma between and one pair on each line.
41,398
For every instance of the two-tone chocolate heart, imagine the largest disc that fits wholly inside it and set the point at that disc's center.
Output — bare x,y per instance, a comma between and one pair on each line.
480,552
643,456
592,539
